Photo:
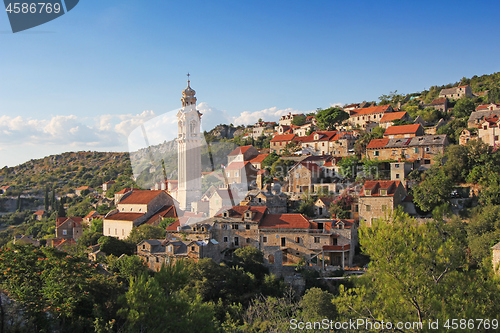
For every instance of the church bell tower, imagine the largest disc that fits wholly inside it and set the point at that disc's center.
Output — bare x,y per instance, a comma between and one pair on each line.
189,150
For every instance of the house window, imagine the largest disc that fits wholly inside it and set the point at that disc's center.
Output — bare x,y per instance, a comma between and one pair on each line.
368,208
264,239
248,226
157,259
415,150
236,241
396,165
236,173
116,231
109,231
367,192
65,232
376,153
427,149
316,239
260,199
235,226
143,246
397,175
496,137
383,192
335,242
248,240
228,174
283,241
297,240
123,232
192,248
225,239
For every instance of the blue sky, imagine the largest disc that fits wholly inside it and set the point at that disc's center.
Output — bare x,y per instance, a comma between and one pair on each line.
85,80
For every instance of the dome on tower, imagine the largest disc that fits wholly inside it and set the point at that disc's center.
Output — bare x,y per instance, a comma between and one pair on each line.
188,91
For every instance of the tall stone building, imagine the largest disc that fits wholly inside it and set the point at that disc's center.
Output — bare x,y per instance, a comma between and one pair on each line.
189,150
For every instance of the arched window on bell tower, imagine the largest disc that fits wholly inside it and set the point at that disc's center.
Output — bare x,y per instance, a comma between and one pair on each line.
192,127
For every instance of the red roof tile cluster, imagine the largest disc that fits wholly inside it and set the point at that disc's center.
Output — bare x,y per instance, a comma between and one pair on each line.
239,150
402,129
164,212
39,212
370,110
438,101
259,158
141,197
375,185
125,190
237,165
378,143
390,116
284,137
77,221
125,216
291,221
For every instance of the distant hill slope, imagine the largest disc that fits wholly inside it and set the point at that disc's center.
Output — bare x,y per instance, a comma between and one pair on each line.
66,172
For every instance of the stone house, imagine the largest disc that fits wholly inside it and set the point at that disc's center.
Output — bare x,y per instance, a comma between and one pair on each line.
466,136
456,92
69,227
322,206
476,118
489,131
401,169
403,131
79,190
260,128
362,117
107,185
287,119
379,198
238,226
279,142
275,201
223,198
389,117
39,215
420,148
257,161
191,228
440,104
134,208
158,252
318,142
303,175
495,258
241,154
303,129
26,239
342,143
241,174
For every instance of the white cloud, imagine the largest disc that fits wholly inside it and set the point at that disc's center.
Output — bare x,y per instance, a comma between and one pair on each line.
129,122
271,114
212,116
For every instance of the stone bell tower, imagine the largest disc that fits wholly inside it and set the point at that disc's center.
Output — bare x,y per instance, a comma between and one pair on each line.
189,150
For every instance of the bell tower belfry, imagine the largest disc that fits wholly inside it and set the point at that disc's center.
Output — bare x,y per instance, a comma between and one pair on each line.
189,150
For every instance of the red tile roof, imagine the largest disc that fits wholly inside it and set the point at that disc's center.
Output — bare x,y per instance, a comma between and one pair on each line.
378,143
164,212
259,158
125,216
239,150
83,188
438,101
173,226
39,212
370,110
92,213
285,137
237,165
402,129
292,221
380,184
125,190
141,197
390,116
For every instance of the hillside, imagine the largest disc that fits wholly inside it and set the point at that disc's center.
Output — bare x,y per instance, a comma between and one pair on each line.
65,172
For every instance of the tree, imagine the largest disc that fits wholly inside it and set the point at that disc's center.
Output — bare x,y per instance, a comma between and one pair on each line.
145,231
328,119
115,246
417,273
434,190
317,305
299,120
464,107
348,166
167,221
270,159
